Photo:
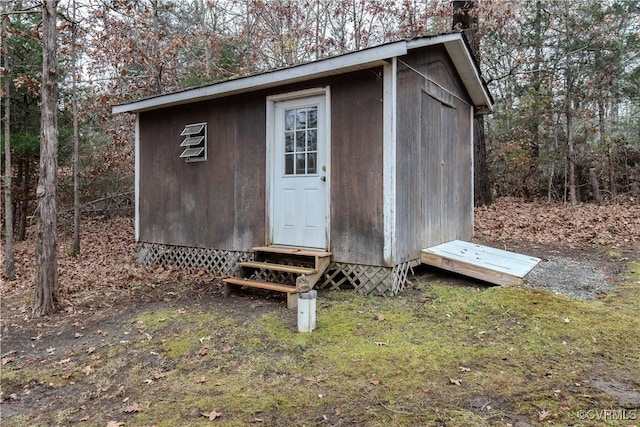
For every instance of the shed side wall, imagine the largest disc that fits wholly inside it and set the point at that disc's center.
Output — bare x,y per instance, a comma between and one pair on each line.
434,156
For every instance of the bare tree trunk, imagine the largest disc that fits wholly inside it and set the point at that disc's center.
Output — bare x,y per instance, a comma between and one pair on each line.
46,281
568,100
529,187
595,185
466,19
9,264
24,175
571,156
76,187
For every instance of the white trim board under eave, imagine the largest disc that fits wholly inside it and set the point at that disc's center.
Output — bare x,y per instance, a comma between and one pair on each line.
337,65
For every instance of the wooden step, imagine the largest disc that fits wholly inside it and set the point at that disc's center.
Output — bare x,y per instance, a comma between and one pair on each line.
261,285
278,267
292,296
293,251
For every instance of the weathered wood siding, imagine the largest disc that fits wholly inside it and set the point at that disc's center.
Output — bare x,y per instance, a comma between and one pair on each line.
434,158
218,203
357,232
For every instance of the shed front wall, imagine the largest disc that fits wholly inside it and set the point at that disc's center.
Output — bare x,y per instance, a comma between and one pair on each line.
220,203
434,197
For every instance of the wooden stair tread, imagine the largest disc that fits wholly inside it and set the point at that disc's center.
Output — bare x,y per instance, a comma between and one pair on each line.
278,267
293,251
260,284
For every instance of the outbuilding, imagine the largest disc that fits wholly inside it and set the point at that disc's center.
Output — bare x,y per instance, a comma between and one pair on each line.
353,163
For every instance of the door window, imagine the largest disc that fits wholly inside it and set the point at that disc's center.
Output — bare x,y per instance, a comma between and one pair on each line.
301,141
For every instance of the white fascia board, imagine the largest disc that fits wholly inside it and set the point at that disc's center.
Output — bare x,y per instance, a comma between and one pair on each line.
471,79
464,63
326,67
430,41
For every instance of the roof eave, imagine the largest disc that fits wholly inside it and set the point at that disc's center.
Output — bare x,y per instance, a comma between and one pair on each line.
336,65
454,43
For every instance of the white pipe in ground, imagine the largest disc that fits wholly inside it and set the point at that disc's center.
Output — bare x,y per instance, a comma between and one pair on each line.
307,311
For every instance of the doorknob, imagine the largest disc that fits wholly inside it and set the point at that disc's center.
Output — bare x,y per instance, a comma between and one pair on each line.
323,178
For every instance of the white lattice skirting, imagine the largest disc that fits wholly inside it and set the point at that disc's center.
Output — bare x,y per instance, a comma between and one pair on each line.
364,279
367,279
216,261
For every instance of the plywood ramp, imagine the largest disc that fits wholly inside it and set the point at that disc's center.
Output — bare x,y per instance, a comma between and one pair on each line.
492,265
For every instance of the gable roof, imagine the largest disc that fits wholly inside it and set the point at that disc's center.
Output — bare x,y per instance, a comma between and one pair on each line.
455,44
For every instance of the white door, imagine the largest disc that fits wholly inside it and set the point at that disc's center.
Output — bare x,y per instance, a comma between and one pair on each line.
299,205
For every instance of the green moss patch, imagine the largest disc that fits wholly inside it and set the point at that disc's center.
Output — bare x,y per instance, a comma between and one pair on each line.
445,354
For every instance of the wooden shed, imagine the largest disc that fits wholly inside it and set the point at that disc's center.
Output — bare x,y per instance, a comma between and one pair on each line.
341,169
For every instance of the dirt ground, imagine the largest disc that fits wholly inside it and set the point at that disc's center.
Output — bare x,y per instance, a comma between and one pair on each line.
98,303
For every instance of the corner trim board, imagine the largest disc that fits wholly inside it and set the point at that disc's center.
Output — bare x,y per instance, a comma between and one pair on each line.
389,142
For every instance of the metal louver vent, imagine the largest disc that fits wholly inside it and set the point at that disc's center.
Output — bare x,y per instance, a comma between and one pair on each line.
195,142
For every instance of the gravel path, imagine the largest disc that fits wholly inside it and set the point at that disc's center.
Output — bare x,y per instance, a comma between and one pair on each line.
578,279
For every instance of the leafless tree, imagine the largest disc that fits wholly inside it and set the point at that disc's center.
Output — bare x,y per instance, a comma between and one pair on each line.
46,281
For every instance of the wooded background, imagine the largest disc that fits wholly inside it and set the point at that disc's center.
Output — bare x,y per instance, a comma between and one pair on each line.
565,75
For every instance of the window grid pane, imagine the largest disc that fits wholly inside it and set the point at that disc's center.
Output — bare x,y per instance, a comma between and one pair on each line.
301,141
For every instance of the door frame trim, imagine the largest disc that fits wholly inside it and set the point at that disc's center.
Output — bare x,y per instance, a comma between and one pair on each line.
272,100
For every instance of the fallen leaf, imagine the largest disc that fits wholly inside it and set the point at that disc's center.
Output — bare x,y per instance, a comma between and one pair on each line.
203,351
159,375
115,424
226,349
134,407
425,389
77,335
201,380
380,343
375,382
85,418
91,350
455,381
6,360
542,415
566,320
51,350
211,415
88,370
64,361
463,369
380,317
